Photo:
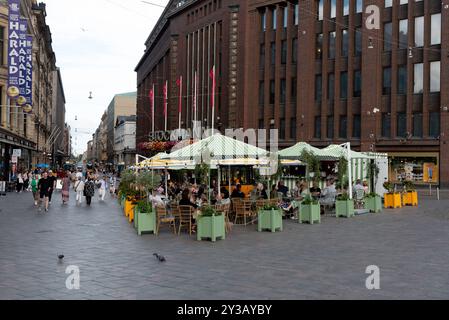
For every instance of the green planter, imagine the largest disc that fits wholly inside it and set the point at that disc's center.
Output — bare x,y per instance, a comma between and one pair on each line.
136,217
146,222
373,204
211,227
344,208
309,213
122,201
270,220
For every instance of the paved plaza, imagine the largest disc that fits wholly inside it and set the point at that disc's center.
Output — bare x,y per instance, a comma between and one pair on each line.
326,261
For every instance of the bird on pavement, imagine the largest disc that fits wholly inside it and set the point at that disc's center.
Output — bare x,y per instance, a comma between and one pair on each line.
159,257
60,256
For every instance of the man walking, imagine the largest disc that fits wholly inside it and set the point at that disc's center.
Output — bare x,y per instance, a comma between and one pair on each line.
44,187
79,189
52,180
102,191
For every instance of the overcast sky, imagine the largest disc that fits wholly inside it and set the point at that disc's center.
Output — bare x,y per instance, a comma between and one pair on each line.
98,44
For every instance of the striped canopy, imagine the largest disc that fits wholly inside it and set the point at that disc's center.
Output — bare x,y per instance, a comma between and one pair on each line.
296,151
217,147
335,152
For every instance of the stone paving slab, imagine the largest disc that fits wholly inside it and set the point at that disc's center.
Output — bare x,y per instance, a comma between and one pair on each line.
325,261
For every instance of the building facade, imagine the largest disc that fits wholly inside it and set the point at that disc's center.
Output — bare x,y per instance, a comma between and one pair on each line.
125,142
320,71
59,148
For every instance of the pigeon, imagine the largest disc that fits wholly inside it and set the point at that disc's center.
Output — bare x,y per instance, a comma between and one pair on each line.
160,258
60,256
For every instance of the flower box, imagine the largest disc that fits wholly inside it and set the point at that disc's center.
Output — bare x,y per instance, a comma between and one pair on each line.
146,222
373,204
309,213
211,227
393,200
344,208
269,220
410,198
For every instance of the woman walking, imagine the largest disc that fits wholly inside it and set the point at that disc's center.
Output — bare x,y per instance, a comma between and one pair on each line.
19,182
65,189
34,189
89,190
79,189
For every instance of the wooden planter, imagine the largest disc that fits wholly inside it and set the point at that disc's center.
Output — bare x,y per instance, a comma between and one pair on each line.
309,213
344,208
393,200
373,204
269,220
410,198
129,208
146,222
211,228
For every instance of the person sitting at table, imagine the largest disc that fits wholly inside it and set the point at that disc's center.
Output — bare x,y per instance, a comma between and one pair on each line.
156,198
358,186
366,187
282,188
315,191
329,193
223,197
261,192
237,193
186,199
274,192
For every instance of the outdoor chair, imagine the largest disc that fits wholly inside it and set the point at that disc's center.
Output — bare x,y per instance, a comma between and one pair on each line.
224,209
243,211
185,218
260,204
328,202
163,218
359,202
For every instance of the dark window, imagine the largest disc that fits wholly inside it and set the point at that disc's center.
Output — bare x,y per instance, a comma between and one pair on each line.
282,129
2,47
275,18
293,128
386,87
434,124
402,80
296,14
356,127
331,87
294,89
1,102
344,85
403,34
294,50
320,9
317,127
386,125
331,45
263,20
284,52
285,17
388,31
330,127
261,93
401,124
318,87
417,125
357,83
262,56
273,53
261,124
358,42
319,46
283,90
344,42
272,91
343,127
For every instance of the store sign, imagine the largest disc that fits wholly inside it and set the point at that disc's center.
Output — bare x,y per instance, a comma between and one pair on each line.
14,64
14,159
17,153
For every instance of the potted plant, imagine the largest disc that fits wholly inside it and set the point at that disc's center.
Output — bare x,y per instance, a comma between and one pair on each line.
309,211
145,182
270,217
373,202
392,199
410,196
344,206
145,218
210,224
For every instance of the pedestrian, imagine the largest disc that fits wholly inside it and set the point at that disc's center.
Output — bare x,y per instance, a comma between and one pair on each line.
65,189
102,191
26,181
34,189
44,186
52,180
89,190
19,183
79,189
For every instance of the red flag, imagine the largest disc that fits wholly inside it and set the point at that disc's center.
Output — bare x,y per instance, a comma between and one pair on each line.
212,75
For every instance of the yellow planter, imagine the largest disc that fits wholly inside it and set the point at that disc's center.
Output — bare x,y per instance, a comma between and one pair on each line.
128,206
410,198
393,200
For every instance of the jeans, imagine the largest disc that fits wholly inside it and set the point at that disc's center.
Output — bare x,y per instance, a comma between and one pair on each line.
102,194
88,200
79,196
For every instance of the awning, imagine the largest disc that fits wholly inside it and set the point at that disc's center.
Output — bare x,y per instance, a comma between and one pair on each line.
296,151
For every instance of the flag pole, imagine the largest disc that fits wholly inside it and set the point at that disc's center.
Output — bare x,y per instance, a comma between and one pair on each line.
213,99
165,104
180,103
152,108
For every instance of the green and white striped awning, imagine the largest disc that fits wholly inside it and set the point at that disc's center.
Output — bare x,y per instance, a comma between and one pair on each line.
296,151
335,152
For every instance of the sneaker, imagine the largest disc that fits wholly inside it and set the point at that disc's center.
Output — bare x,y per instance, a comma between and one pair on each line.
46,210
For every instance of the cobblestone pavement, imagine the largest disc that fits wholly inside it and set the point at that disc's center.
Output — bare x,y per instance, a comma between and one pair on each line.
326,261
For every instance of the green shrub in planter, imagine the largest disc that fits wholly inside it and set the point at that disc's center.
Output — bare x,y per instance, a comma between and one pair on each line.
344,206
270,217
211,225
145,218
309,211
373,202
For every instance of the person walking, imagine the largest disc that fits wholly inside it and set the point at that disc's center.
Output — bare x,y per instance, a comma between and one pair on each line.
44,186
65,189
79,189
102,191
52,180
26,181
19,183
89,190
34,188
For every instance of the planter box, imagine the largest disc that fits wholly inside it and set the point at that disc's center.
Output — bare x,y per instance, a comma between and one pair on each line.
211,228
269,220
309,213
146,222
393,200
344,208
373,204
410,198
129,209
132,211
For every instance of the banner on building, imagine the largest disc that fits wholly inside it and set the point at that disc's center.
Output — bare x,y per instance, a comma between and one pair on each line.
29,75
23,29
13,90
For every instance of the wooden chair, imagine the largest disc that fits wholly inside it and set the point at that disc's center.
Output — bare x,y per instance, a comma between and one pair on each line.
225,208
244,210
260,204
185,218
162,217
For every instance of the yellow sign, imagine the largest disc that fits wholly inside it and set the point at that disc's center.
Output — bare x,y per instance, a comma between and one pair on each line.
430,172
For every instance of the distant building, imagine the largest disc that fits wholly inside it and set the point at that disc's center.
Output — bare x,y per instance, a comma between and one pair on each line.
60,154
125,142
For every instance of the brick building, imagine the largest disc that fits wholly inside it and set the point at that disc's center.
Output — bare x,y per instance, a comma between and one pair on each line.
313,70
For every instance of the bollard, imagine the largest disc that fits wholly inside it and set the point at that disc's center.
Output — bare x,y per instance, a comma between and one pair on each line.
430,189
438,194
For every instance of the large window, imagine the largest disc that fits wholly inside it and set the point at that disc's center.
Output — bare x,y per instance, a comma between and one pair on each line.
386,83
435,77
403,34
434,124
317,127
345,7
388,3
320,10
275,18
435,37
418,78
344,42
332,45
356,127
262,56
294,89
318,87
419,31
319,46
283,91
401,124
293,128
357,83
282,129
417,125
273,53
344,85
333,8
331,87
263,20
358,42
330,127
388,32
285,17
261,93
294,50
343,127
296,14
386,125
272,91
402,80
283,52
359,6
2,48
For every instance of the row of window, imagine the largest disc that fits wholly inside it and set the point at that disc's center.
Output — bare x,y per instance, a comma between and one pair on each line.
274,15
202,11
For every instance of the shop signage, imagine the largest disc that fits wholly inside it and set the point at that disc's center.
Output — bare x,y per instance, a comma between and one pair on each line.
14,159
17,152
